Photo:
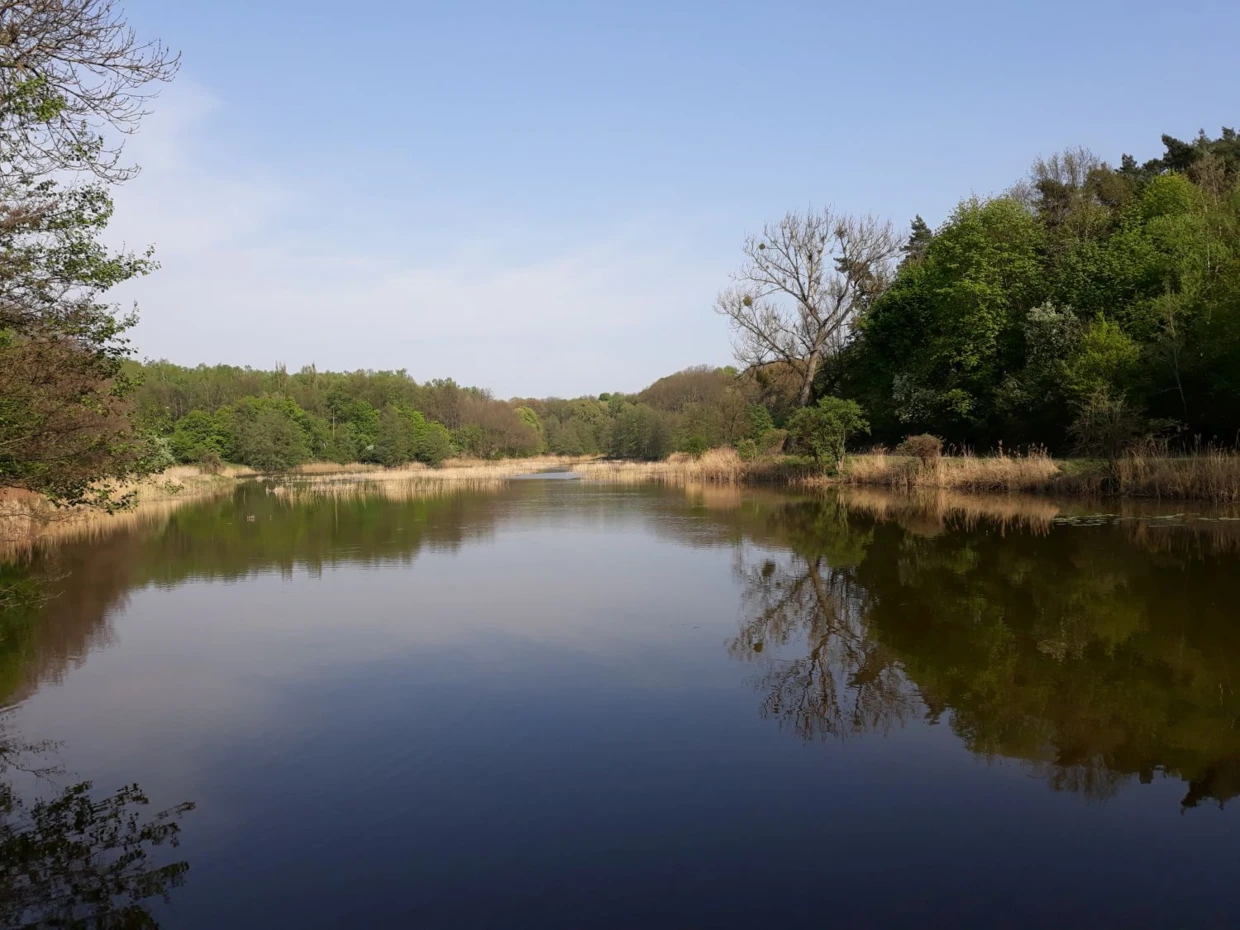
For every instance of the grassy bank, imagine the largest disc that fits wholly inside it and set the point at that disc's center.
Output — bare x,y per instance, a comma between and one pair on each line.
1207,475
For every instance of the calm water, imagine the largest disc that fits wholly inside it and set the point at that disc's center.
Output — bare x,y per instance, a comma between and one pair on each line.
562,705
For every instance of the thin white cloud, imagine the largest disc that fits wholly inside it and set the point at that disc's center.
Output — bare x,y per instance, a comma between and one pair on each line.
244,281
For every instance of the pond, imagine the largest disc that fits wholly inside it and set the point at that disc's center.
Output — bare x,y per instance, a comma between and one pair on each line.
559,704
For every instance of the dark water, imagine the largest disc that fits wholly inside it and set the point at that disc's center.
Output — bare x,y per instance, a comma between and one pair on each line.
563,705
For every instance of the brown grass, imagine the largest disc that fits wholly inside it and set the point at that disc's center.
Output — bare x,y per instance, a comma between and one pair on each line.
718,466
453,471
29,520
1205,475
1035,471
1208,474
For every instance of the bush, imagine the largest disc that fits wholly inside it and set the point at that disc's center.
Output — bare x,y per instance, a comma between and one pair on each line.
823,430
694,445
432,443
747,449
211,464
924,447
196,436
758,422
268,439
772,442
1104,425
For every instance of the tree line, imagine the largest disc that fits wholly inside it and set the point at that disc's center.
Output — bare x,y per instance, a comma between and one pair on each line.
1087,306
274,420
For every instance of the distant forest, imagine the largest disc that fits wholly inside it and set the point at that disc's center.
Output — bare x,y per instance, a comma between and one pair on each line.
1087,305
274,420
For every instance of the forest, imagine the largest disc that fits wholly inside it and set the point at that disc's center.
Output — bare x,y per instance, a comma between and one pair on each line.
273,420
1087,307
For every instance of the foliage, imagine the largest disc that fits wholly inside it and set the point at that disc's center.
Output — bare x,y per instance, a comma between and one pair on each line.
265,433
80,861
823,429
198,437
639,432
1104,425
1086,289
925,448
69,72
747,449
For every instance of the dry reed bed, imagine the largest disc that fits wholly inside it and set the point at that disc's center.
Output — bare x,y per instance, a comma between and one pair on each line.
391,489
718,466
1211,528
28,521
1035,472
453,471
1206,475
1210,474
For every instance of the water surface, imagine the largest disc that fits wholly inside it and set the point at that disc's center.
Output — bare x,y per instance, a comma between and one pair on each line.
559,704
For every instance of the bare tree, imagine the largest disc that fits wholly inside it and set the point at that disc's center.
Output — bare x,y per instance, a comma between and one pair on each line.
71,70
803,283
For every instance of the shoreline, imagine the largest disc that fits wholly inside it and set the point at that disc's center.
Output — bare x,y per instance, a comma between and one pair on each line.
1210,478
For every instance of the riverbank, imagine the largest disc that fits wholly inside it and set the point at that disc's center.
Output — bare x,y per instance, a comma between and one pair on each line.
28,520
1209,475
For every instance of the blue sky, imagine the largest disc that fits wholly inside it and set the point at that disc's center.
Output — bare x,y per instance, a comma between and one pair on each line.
544,198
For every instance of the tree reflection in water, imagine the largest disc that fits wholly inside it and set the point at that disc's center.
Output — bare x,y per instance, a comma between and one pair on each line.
72,858
846,683
1092,655
77,859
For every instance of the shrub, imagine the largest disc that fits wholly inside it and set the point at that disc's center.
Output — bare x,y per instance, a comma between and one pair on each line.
268,439
924,447
758,422
823,429
211,464
747,449
196,436
432,443
773,442
1104,425
694,445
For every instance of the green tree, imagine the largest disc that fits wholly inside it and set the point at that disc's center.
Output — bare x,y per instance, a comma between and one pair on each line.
942,339
918,241
432,443
264,434
197,437
530,418
395,444
69,74
640,432
823,430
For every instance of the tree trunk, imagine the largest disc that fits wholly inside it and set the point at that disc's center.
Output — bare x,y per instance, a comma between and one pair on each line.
807,384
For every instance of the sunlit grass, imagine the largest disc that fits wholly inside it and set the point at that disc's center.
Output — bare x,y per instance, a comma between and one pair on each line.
1208,474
